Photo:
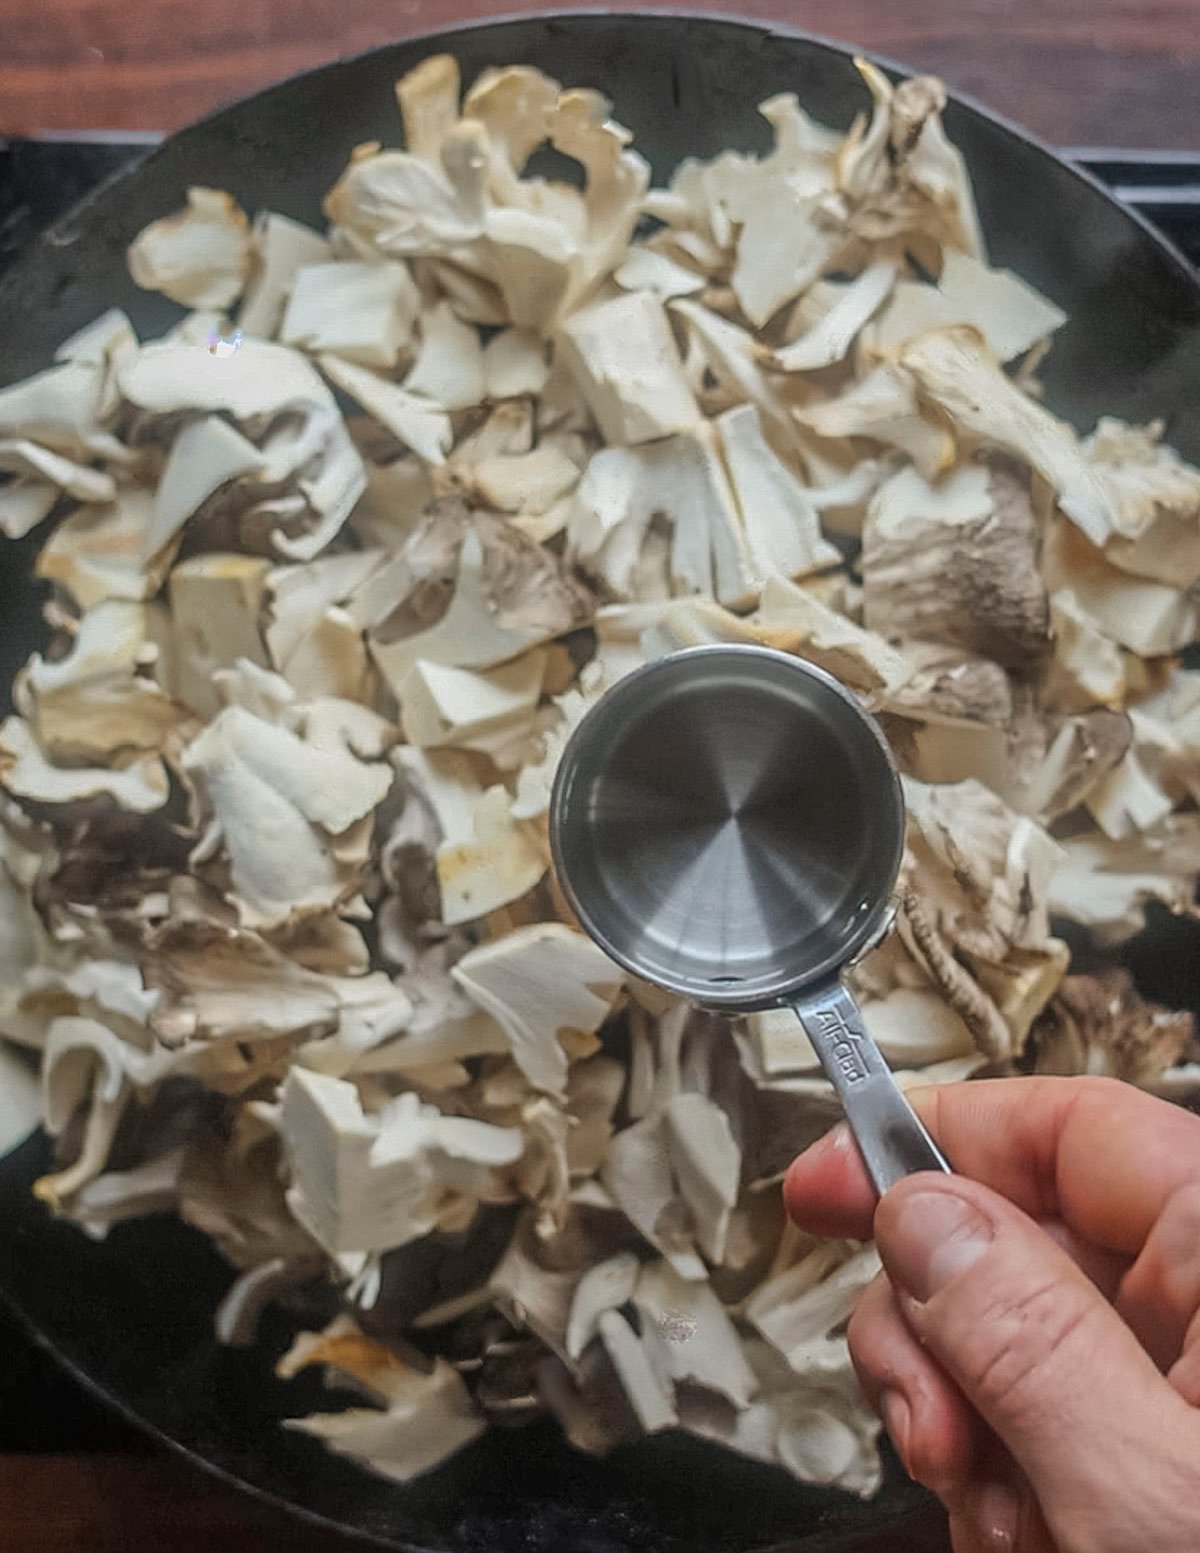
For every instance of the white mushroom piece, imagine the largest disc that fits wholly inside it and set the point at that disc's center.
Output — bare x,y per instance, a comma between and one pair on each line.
457,194
282,247
417,1420
276,806
363,1183
336,566
445,707
508,595
291,466
679,485
539,983
627,365
201,256
1010,315
485,855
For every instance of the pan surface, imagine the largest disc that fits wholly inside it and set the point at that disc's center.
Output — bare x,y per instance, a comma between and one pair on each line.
132,1315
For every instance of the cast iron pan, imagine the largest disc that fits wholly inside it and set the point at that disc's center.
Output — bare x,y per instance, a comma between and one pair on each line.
132,1316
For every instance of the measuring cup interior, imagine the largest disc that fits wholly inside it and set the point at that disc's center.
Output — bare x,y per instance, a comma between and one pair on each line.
728,823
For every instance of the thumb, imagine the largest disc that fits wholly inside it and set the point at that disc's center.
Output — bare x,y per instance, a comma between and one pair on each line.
1040,1354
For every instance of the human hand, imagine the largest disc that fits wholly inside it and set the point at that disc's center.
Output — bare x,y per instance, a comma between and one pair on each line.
1033,1345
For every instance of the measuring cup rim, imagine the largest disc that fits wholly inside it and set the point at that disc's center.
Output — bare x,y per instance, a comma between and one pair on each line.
783,990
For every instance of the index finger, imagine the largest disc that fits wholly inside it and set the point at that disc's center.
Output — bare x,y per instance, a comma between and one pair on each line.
1100,1155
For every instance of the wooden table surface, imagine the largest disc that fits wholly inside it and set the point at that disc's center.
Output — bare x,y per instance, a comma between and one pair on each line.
1079,72
135,1503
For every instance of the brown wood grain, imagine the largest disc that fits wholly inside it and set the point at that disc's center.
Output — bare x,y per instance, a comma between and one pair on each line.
138,1503
1116,72
145,1502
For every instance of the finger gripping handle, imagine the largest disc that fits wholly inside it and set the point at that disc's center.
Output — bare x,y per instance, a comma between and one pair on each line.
891,1137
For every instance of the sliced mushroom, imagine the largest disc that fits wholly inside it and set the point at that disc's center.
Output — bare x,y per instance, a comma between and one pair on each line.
200,256
27,773
799,1310
539,982
914,1028
1149,618
509,596
899,173
1087,669
258,381
1105,884
645,269
282,247
261,783
36,468
24,504
1099,1024
428,1418
361,312
794,620
607,1286
216,605
470,709
95,553
883,407
830,338
648,1395
957,563
413,421
681,480
956,374
95,703
58,408
365,1182
1010,315
1156,500
449,369
706,1161
514,363
781,524
625,360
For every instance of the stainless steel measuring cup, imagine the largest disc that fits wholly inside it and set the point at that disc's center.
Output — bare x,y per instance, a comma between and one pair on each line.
728,823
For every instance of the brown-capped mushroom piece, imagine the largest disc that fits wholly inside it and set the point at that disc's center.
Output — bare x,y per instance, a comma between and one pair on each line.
956,562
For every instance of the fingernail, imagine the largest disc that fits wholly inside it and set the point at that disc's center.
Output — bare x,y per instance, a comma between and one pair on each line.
897,1420
998,1517
817,1155
933,1237
837,1140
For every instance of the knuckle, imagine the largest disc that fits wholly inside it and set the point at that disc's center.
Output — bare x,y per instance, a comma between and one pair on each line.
864,1334
1101,1086
1027,1342
858,1331
877,1339
1171,1261
937,1461
1183,1211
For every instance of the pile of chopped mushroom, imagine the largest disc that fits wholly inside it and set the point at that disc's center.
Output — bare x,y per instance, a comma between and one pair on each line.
340,561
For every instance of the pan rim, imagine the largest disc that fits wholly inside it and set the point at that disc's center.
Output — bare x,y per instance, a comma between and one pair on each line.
703,15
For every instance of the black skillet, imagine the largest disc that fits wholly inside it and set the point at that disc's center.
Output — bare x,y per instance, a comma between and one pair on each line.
132,1316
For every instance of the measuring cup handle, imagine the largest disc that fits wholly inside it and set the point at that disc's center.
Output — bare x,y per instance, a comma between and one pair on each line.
892,1140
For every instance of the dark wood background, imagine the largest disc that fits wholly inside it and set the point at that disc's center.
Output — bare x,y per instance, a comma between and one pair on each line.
1078,72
